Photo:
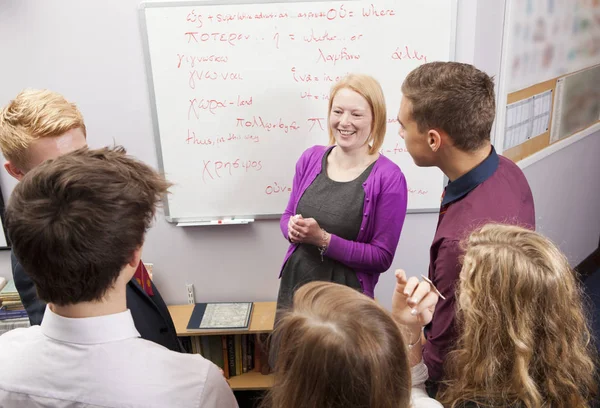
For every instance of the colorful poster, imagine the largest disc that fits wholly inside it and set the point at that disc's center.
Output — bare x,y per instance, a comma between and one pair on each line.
550,38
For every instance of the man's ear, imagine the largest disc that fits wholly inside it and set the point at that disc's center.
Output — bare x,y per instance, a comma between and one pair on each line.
434,140
136,258
14,170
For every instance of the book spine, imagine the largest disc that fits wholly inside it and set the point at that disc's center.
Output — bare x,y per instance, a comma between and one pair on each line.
264,364
8,325
205,341
216,351
244,353
238,354
198,346
12,314
231,354
193,343
250,339
257,354
225,356
264,358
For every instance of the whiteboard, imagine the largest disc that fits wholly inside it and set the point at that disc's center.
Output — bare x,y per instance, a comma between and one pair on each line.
239,91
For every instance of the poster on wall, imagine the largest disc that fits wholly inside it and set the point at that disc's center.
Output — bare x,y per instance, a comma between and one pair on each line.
527,119
551,38
578,103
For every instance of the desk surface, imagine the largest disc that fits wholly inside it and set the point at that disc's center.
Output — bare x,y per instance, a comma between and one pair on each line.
263,317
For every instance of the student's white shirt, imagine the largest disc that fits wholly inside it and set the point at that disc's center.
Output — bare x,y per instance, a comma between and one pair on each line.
102,362
419,396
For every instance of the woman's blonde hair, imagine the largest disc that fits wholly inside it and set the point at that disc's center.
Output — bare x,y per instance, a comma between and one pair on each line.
337,348
524,338
34,114
369,88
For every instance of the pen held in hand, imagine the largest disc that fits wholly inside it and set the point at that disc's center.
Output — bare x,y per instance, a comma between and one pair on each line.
426,279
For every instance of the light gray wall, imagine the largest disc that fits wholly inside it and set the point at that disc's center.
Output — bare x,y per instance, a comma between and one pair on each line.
91,52
566,190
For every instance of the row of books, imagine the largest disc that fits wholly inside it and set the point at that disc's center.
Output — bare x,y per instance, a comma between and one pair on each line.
12,312
9,297
235,354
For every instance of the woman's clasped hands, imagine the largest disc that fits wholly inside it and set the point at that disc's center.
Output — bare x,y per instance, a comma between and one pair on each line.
304,231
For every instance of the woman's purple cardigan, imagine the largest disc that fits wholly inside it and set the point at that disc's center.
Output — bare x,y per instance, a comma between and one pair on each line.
384,210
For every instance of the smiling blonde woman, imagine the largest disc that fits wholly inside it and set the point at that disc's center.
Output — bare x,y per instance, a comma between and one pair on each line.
348,202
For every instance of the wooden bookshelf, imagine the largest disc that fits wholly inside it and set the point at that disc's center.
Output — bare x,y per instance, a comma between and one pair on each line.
251,381
261,321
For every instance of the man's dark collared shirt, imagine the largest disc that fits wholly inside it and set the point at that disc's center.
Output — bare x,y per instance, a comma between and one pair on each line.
494,191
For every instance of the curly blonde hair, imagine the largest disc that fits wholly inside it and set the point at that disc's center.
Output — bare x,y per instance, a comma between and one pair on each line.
338,348
524,337
34,114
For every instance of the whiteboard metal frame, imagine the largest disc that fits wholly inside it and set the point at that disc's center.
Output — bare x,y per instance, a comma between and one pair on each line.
502,83
194,221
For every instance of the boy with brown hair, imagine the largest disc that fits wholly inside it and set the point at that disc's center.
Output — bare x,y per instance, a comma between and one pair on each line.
39,125
78,223
446,118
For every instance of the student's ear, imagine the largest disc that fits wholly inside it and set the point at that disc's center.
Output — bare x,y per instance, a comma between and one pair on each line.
434,140
14,170
136,258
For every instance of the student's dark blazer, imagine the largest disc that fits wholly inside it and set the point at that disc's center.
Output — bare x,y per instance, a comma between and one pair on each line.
150,314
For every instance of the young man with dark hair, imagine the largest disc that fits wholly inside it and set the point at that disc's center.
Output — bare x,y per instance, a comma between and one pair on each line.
39,125
446,118
78,223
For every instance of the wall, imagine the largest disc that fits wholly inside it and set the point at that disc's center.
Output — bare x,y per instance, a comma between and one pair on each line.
566,190
91,52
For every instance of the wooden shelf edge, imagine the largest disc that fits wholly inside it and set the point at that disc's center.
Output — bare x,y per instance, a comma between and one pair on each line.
251,381
262,320
221,333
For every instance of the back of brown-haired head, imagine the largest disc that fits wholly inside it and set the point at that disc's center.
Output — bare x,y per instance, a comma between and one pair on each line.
338,348
76,221
453,97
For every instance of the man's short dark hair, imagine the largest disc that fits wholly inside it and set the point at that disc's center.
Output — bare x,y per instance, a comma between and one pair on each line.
454,97
77,220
